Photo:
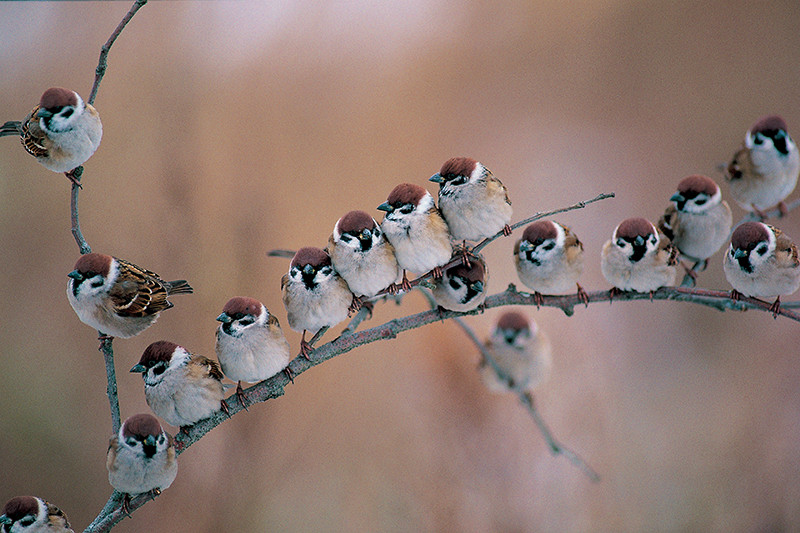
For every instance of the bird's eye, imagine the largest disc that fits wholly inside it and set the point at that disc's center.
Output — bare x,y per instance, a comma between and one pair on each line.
549,246
406,209
758,139
700,201
325,270
97,283
158,370
761,250
346,237
621,243
376,232
455,284
246,321
67,112
130,441
294,270
161,439
27,521
652,239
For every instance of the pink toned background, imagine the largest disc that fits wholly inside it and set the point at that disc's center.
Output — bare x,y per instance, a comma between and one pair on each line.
232,128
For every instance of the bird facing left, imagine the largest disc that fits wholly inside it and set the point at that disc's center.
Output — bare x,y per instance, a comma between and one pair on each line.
118,298
62,132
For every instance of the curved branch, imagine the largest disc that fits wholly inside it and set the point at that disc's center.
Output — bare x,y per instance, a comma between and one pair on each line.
102,63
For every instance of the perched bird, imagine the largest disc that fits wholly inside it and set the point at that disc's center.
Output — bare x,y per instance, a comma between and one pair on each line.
62,132
474,203
362,255
764,171
416,229
762,262
520,350
250,345
29,514
549,259
461,287
141,458
698,221
314,295
116,297
180,387
638,257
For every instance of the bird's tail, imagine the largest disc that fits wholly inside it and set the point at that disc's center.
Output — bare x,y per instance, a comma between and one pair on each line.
180,286
13,127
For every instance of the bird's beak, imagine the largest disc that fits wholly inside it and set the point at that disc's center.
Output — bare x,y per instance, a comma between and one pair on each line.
75,275
478,286
677,197
150,441
739,253
139,369
385,207
308,270
365,235
638,241
436,178
223,317
525,246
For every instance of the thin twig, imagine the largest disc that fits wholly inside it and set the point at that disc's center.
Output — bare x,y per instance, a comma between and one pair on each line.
580,205
102,63
111,375
83,246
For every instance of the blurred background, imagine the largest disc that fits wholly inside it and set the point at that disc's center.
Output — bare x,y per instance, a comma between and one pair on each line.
232,128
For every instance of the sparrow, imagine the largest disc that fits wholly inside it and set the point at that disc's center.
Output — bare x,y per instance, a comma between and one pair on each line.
250,345
521,351
764,170
116,297
762,262
638,257
62,132
180,387
698,221
29,514
474,203
314,295
141,458
461,287
362,256
549,259
416,229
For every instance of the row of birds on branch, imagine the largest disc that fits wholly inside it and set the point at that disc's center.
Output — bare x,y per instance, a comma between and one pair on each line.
365,260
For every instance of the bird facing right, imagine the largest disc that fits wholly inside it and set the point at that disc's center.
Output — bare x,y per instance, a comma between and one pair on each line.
764,171
698,221
521,351
639,257
762,262
29,514
62,132
141,458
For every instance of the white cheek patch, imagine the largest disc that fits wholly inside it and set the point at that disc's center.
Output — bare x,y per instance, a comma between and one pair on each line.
179,357
425,203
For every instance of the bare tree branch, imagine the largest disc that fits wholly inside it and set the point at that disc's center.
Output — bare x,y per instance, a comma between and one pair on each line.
83,246
526,399
102,63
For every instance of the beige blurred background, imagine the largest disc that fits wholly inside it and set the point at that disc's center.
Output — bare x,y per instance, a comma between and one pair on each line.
232,128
